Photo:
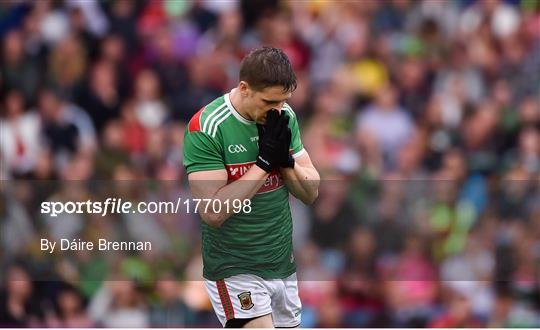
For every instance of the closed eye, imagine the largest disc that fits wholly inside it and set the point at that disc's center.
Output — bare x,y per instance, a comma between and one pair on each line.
270,102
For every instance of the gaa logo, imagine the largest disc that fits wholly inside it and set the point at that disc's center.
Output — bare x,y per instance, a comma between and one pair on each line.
236,148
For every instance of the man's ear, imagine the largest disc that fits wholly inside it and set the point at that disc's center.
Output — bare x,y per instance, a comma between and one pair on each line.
243,87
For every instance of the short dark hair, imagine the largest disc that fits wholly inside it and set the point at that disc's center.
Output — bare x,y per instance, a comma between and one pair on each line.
268,67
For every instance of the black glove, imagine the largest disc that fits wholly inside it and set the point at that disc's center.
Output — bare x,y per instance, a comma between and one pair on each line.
272,137
287,159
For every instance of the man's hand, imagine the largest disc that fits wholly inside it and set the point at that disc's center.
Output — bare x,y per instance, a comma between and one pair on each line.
274,136
287,160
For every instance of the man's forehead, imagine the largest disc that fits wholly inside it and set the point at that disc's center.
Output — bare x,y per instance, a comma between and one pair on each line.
274,93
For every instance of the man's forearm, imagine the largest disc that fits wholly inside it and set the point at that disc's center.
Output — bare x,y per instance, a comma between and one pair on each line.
242,189
302,182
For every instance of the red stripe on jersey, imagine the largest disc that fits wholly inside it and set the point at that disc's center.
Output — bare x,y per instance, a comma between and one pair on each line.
225,299
195,122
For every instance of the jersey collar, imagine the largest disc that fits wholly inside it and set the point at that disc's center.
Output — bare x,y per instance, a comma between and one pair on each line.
235,112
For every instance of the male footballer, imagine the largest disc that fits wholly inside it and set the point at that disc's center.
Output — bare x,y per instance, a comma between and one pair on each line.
244,149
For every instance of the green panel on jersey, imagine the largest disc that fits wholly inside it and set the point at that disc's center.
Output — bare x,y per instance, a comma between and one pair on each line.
259,242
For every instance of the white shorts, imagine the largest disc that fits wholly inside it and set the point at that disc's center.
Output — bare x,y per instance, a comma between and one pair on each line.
248,296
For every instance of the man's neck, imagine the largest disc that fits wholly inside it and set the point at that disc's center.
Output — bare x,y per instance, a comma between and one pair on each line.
234,96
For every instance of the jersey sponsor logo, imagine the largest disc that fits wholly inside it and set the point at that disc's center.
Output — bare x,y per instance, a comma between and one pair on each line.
236,171
236,148
254,138
273,182
245,300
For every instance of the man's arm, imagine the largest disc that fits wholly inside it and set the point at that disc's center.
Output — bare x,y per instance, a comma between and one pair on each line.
213,185
302,180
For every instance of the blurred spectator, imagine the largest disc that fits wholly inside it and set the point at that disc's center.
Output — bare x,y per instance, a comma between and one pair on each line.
16,226
458,312
19,134
359,291
19,70
119,303
389,124
68,225
529,149
67,129
114,150
112,50
77,21
478,130
459,80
389,15
321,35
123,18
171,71
410,283
149,107
330,314
502,18
102,99
170,310
134,133
53,22
67,65
413,83
226,33
280,33
506,313
71,311
44,168
89,16
514,191
188,100
333,215
472,269
18,306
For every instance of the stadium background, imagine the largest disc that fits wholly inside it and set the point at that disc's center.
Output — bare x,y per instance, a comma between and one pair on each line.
423,118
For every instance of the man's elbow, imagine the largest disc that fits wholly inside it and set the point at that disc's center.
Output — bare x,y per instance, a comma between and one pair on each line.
214,220
310,199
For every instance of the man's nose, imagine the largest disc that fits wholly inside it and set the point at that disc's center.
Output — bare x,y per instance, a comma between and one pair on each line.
279,106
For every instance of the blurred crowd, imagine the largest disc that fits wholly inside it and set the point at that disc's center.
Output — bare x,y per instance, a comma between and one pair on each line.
423,118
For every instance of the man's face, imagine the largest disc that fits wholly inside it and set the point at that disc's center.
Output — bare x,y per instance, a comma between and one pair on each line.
258,103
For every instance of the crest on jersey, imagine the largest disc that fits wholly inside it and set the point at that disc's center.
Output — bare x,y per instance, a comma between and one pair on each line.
245,300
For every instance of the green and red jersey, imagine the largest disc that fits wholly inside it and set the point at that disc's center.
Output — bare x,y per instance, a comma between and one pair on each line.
258,242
